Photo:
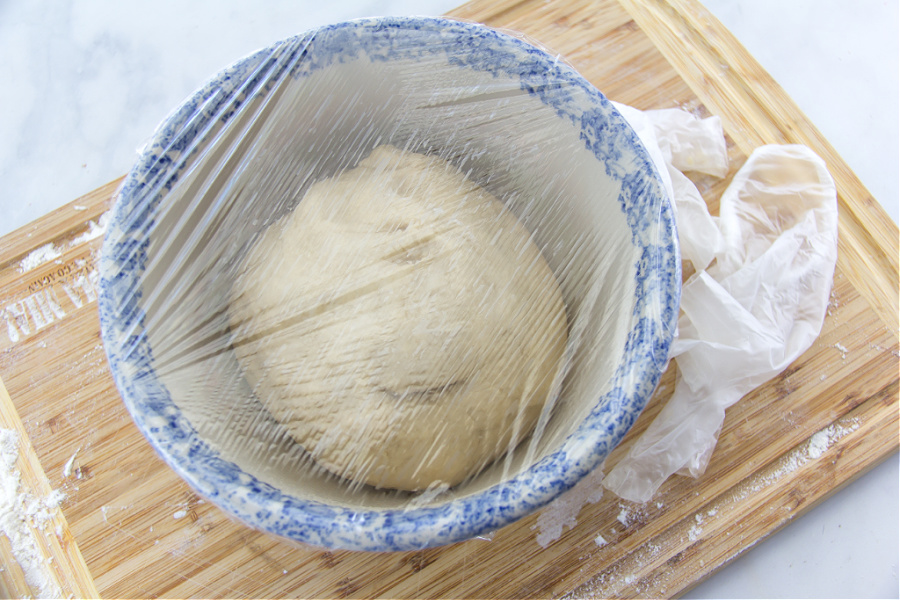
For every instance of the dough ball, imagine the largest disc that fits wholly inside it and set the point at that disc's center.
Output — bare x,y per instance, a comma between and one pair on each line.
400,323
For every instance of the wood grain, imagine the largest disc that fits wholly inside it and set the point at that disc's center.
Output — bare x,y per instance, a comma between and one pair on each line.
13,583
65,569
828,418
755,111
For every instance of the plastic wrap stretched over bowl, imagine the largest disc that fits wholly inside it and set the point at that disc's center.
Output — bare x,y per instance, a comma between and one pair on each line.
389,284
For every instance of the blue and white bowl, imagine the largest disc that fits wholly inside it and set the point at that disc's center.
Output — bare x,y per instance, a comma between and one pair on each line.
242,151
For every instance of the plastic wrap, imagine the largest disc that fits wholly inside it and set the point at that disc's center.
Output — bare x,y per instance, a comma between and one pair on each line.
389,284
400,323
748,316
679,141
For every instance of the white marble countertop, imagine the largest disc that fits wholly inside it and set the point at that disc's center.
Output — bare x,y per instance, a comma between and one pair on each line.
86,84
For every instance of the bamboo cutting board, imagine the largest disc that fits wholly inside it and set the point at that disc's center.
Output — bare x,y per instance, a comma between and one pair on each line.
129,527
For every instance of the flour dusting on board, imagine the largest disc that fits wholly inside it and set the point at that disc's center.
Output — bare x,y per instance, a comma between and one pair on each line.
39,256
20,514
69,284
95,230
696,528
51,251
563,512
817,445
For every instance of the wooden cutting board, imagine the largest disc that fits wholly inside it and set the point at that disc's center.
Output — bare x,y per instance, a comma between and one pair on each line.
129,527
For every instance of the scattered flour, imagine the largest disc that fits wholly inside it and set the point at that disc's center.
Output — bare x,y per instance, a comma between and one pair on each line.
50,251
695,533
696,530
600,541
563,512
822,440
39,256
818,444
843,350
179,514
94,231
20,513
609,581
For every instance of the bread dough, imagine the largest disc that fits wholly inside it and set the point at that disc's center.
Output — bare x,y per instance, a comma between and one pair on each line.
400,323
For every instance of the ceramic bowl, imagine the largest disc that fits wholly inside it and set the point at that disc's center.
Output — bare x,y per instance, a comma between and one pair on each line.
241,151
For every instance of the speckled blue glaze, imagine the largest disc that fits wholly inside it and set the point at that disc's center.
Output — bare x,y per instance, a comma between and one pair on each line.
604,133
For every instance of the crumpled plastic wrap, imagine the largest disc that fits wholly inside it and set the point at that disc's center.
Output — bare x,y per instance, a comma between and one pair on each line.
678,141
758,298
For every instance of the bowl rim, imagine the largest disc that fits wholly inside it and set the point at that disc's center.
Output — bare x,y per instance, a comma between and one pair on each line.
260,504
